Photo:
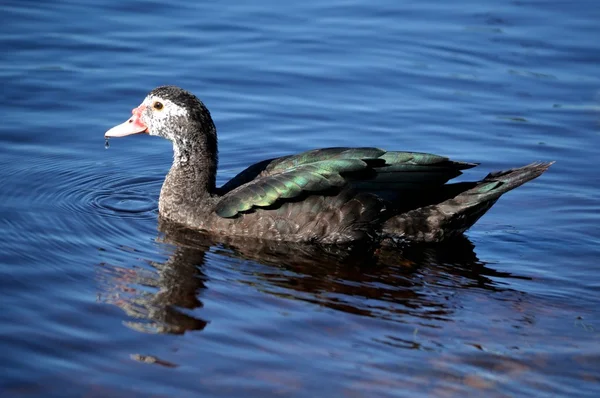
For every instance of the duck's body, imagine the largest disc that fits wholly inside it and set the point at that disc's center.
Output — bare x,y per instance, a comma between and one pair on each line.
332,195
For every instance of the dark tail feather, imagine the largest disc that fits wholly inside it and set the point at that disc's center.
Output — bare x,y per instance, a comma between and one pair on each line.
497,183
455,215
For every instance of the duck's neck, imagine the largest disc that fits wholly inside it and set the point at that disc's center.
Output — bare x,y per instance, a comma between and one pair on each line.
191,181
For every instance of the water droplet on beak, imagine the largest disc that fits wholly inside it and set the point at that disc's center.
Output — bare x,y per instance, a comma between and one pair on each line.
106,144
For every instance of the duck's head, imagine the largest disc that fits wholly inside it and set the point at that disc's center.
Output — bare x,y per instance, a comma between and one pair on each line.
169,112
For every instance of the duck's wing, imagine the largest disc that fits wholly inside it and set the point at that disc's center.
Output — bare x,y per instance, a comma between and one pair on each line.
330,169
285,163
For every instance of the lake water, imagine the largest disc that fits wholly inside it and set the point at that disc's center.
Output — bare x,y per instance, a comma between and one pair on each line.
98,300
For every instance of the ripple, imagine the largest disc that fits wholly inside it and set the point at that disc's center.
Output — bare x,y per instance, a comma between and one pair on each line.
120,197
126,203
70,201
86,190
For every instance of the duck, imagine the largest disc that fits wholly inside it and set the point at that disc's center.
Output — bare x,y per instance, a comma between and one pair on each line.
335,195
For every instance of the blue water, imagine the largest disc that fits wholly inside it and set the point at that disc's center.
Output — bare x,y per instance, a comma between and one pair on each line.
97,301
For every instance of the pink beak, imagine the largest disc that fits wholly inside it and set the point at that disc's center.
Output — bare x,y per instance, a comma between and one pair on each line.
132,126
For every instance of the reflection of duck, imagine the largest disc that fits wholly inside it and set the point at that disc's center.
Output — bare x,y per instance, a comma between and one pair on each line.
388,284
332,195
156,299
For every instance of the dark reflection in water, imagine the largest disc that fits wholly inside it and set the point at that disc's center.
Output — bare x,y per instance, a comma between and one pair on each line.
159,299
381,283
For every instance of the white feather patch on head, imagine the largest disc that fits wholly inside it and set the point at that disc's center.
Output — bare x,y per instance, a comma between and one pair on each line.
162,121
161,117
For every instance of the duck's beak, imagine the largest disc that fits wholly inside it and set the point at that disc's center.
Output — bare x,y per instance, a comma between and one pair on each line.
132,126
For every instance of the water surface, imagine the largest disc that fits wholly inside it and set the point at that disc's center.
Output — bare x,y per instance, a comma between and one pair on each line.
100,300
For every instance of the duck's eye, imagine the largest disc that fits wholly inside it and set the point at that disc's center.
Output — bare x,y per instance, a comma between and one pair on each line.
158,105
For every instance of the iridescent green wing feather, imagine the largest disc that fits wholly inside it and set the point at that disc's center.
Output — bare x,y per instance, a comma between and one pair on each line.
317,155
265,191
279,165
410,171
